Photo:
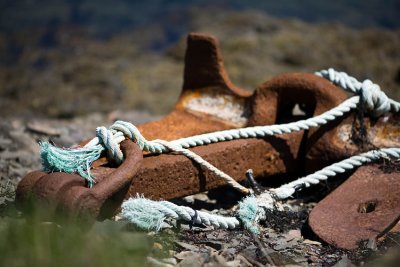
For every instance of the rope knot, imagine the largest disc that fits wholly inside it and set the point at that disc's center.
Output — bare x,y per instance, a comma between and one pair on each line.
376,100
108,138
112,137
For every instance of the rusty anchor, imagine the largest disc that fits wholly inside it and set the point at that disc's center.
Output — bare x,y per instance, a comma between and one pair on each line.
211,102
206,104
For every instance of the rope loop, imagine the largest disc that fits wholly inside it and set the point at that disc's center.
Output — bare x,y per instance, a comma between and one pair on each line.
377,102
375,99
113,149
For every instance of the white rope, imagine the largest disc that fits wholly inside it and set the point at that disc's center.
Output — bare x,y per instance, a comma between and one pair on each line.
142,212
289,189
229,180
377,101
112,137
152,215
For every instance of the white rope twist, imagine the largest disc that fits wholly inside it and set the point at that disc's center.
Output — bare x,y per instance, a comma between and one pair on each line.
200,217
376,100
287,190
138,210
229,180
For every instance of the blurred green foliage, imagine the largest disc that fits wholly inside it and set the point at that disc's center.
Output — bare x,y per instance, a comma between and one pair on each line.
30,241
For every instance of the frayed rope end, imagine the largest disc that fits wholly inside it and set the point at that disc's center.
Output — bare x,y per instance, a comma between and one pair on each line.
70,160
143,213
249,214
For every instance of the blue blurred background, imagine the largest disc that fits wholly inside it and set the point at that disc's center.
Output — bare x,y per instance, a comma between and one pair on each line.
68,58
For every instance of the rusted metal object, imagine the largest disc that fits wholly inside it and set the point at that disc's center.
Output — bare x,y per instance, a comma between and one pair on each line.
271,102
364,207
68,192
333,141
210,102
335,219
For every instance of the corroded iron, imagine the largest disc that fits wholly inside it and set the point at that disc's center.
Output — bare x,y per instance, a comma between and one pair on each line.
69,193
210,102
365,206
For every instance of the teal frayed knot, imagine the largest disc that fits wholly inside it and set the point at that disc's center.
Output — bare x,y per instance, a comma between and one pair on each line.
70,160
248,213
80,160
143,213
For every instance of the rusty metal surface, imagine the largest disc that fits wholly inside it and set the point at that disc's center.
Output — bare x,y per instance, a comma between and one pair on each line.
171,176
365,206
333,141
210,102
69,193
267,157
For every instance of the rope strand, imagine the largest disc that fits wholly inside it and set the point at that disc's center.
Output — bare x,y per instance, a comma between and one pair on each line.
345,165
229,180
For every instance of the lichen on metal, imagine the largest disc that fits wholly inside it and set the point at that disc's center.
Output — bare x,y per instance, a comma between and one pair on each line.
228,108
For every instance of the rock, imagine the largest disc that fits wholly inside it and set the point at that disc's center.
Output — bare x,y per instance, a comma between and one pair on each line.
311,242
187,246
281,245
250,252
315,259
41,128
190,259
293,234
228,253
245,262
